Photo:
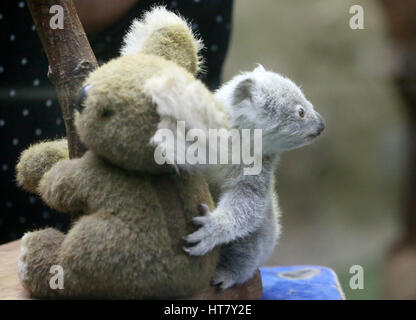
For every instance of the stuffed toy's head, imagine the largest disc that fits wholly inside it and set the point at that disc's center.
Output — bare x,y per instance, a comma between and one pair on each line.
118,117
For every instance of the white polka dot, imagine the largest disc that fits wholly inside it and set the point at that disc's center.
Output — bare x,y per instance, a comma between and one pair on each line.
23,61
38,132
12,37
33,27
45,214
214,48
1,69
32,200
48,103
58,121
22,220
2,122
25,112
4,167
15,141
12,93
21,4
219,19
36,82
9,204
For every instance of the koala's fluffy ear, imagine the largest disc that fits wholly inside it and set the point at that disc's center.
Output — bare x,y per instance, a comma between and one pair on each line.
165,34
259,68
243,91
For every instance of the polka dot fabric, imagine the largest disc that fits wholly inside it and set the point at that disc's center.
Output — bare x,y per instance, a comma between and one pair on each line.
29,110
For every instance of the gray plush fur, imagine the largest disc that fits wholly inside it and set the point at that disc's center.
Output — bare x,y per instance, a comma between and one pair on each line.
245,220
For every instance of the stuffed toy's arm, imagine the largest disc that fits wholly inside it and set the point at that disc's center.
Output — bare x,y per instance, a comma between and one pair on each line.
45,169
61,187
35,161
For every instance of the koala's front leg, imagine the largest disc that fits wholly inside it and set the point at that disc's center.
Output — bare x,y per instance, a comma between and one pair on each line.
239,212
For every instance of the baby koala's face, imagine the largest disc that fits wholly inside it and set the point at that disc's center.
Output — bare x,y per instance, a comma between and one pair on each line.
268,101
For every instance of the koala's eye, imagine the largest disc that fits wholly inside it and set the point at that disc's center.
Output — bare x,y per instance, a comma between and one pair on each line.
301,112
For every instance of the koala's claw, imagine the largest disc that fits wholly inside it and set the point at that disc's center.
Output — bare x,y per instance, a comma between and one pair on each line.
203,240
200,221
207,236
223,280
193,251
199,249
204,209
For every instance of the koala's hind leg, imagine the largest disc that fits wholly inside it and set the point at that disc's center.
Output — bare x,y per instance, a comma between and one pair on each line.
38,253
241,258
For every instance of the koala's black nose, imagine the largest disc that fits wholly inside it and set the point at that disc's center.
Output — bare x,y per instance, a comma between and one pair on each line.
321,127
82,95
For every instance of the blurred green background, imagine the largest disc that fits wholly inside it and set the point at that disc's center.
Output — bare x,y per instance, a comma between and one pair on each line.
340,197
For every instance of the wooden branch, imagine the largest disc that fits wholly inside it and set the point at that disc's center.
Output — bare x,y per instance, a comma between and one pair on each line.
70,59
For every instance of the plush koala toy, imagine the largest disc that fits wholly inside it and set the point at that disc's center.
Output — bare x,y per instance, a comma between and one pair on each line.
132,213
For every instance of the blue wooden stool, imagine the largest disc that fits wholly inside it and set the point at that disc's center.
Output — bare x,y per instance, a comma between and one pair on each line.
300,283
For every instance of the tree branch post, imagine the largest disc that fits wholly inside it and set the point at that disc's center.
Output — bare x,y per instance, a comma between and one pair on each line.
69,54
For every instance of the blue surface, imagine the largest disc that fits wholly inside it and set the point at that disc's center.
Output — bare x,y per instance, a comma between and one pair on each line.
300,283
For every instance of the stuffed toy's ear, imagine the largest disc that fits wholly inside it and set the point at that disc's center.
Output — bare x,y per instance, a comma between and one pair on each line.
179,97
165,34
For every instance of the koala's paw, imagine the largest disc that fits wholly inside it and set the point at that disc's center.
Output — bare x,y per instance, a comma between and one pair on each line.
22,261
226,277
223,279
207,236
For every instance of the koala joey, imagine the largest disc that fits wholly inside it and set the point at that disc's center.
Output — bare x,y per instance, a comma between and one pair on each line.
245,221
